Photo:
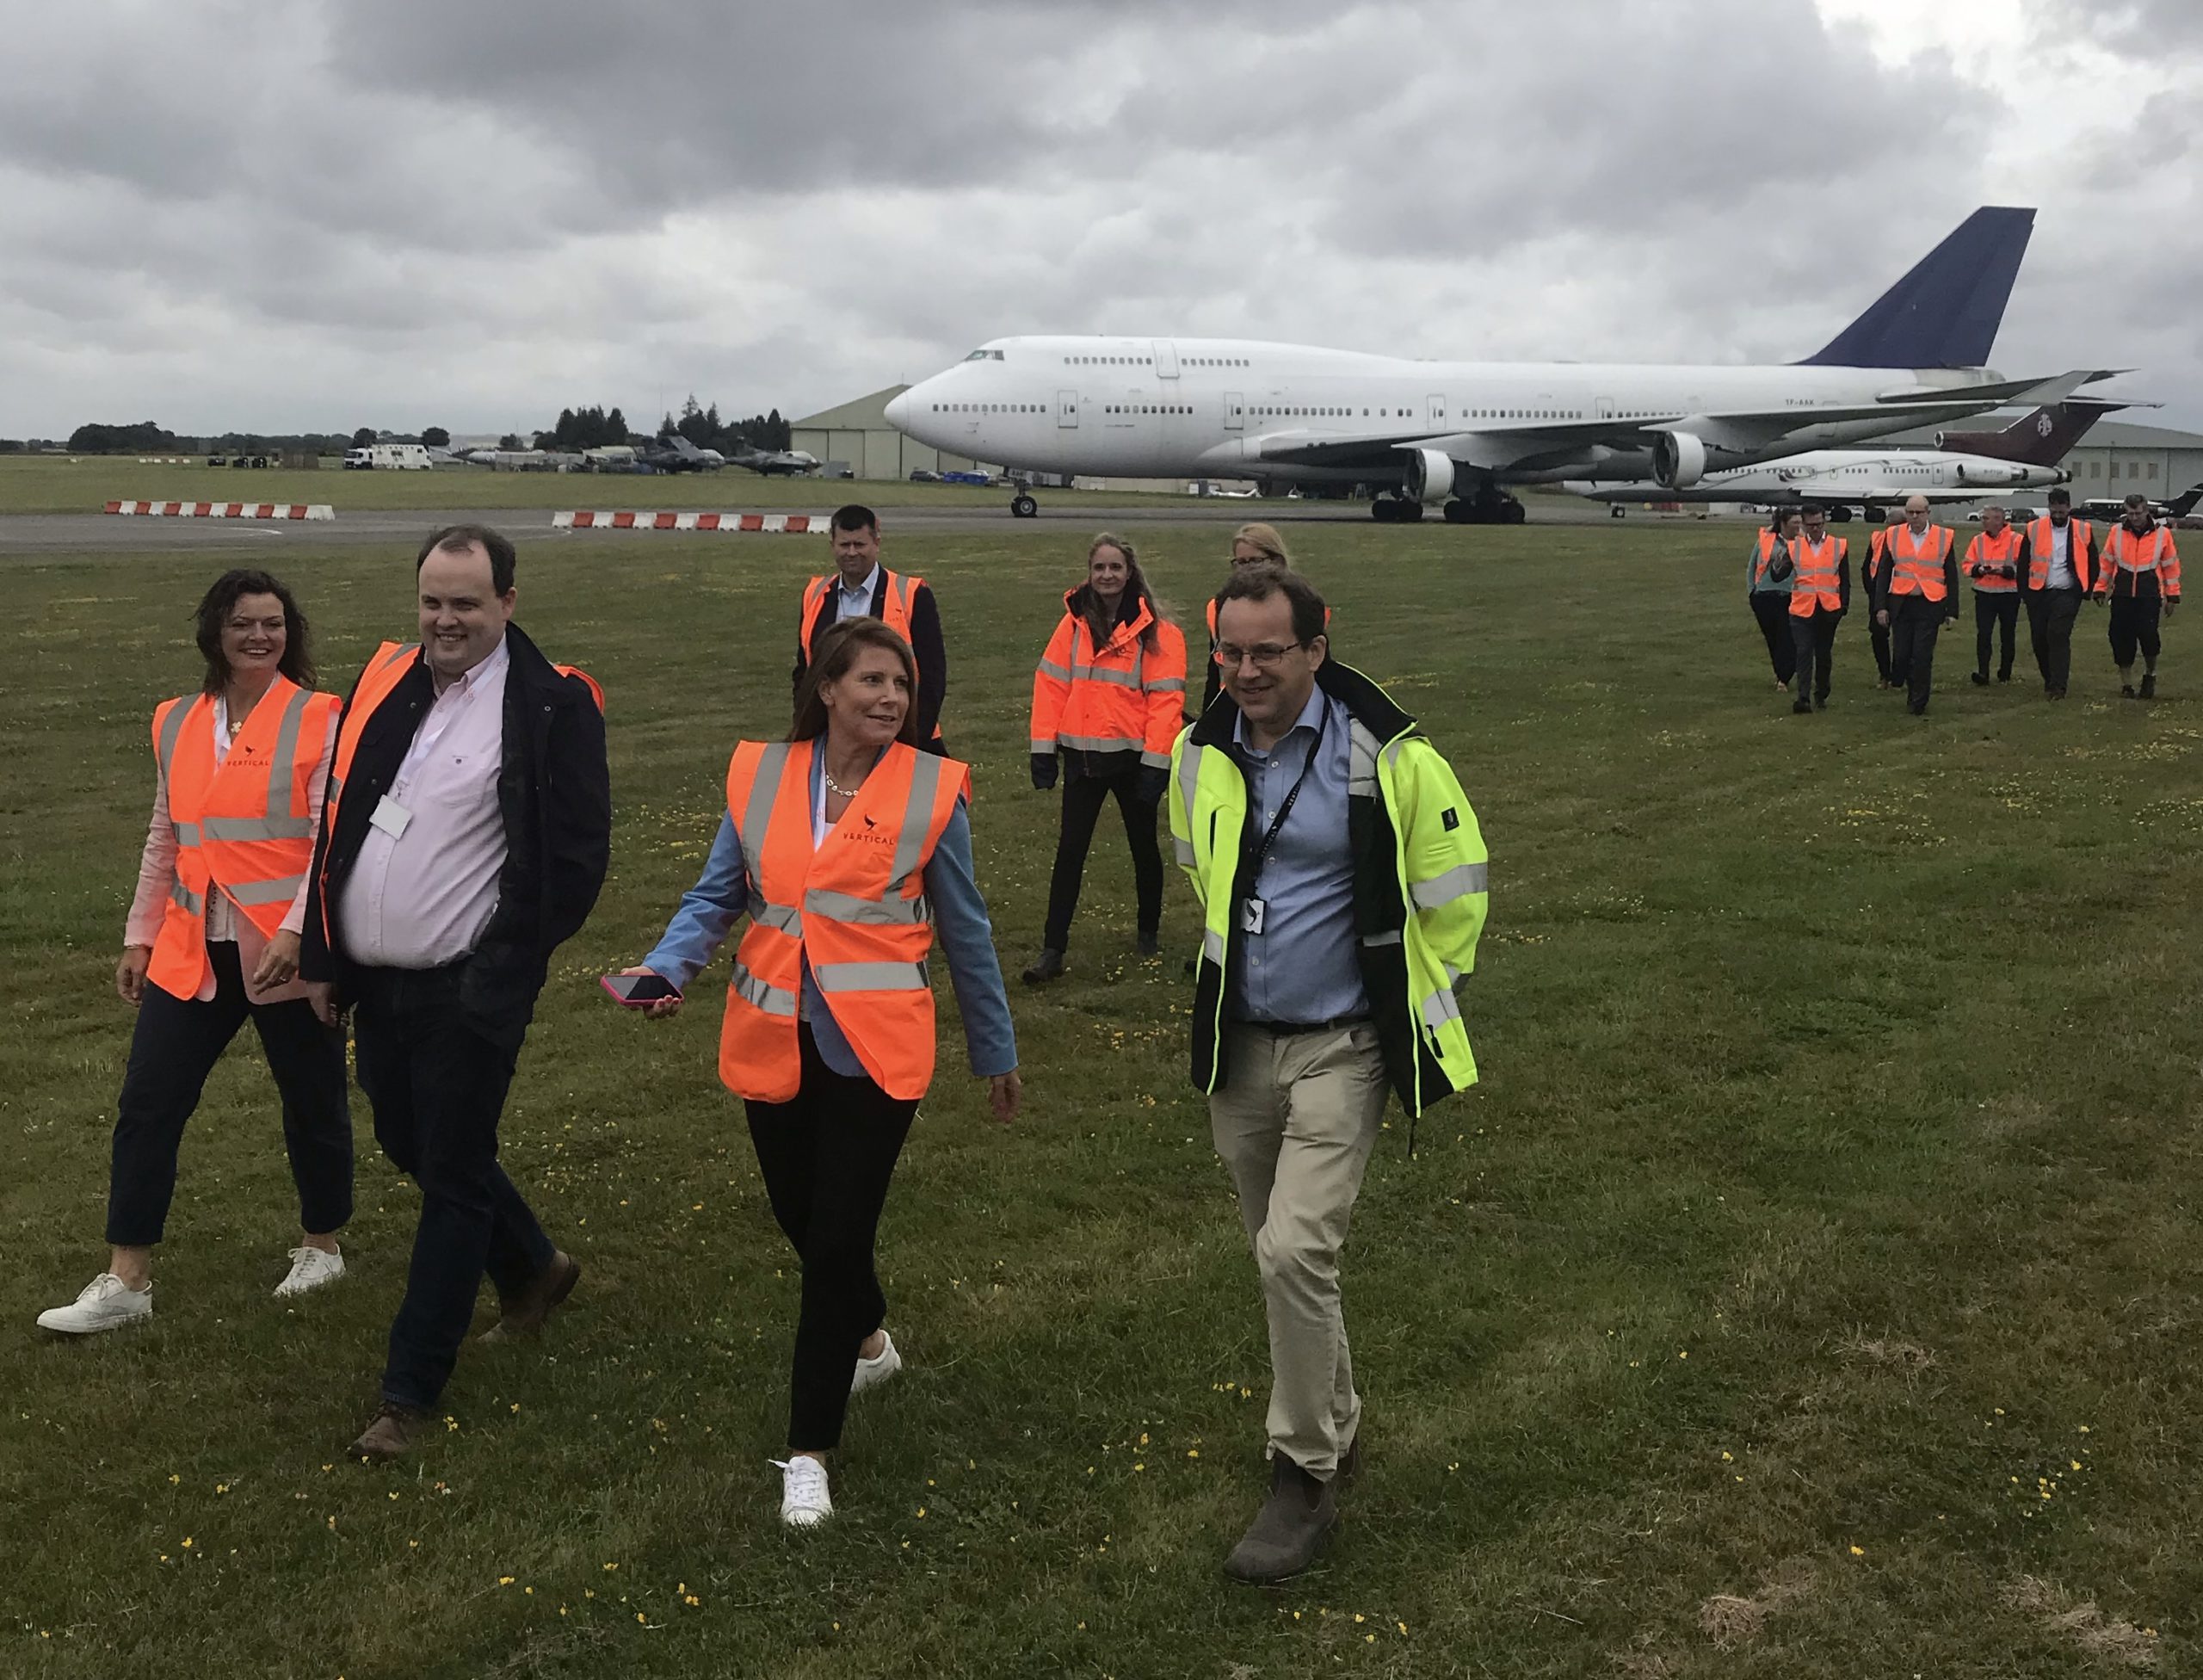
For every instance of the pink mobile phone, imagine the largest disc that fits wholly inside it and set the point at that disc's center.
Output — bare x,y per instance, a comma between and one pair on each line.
638,990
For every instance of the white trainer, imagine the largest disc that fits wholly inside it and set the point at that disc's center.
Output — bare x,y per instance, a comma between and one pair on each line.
311,1267
107,1303
805,1502
871,1373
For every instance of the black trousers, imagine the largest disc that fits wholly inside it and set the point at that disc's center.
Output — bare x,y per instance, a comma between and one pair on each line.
2134,624
1994,611
1915,623
1083,797
1812,640
1773,612
438,1088
2051,614
175,1047
827,1156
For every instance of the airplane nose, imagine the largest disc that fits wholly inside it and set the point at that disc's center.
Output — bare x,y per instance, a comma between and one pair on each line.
899,409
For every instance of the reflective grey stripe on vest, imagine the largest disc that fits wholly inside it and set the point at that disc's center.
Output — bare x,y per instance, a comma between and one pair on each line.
1212,946
1374,941
785,917
1185,851
1456,882
757,813
1154,761
1050,668
1189,776
1360,763
755,992
1167,685
1102,742
896,912
186,834
1043,748
1121,679
171,728
282,767
183,896
280,890
256,828
1440,1008
917,814
870,976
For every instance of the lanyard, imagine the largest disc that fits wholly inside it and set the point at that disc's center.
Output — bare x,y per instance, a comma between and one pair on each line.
1261,851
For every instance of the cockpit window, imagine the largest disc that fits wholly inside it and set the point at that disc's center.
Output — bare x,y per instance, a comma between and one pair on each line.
985,355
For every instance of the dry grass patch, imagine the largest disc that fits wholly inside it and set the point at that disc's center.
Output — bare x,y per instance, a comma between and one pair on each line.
1729,1619
1906,1357
2108,1639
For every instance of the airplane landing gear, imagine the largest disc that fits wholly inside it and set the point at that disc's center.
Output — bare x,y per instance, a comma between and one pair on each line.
1395,511
1615,510
1022,506
1487,506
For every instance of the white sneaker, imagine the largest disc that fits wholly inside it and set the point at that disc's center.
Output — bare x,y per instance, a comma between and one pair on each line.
107,1303
870,1373
311,1267
805,1501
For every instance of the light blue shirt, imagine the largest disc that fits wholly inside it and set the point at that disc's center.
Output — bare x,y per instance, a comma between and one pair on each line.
1304,967
961,928
856,603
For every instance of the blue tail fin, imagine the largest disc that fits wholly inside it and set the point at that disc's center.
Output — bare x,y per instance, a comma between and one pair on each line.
1945,312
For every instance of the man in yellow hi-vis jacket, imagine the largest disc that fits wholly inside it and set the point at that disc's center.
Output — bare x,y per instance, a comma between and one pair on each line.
1342,879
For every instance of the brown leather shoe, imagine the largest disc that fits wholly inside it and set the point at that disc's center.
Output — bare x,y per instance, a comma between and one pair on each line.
1289,1529
523,1314
394,1429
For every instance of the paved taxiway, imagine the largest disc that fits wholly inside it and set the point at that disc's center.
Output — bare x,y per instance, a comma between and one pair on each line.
32,534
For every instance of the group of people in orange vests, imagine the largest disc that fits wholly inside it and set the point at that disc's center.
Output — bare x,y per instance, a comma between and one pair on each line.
1797,581
394,870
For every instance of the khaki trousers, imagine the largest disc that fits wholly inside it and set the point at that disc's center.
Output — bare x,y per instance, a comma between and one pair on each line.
1295,1127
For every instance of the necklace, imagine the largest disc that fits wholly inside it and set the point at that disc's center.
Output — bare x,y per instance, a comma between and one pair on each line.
836,787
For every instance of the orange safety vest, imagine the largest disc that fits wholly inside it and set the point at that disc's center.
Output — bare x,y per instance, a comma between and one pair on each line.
241,824
1819,586
1920,565
383,672
2002,549
894,606
2126,557
853,907
2077,546
1119,697
1766,542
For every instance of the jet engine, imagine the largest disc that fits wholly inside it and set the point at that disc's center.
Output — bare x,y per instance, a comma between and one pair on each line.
1430,476
1678,460
1991,475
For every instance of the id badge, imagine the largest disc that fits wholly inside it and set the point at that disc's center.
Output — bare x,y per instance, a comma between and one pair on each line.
1251,913
391,817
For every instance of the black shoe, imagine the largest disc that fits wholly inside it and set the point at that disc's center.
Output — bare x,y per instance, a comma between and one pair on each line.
1820,702
1048,967
1805,706
1919,710
2055,693
1151,945
1290,1528
2003,676
2126,691
2150,686
1981,679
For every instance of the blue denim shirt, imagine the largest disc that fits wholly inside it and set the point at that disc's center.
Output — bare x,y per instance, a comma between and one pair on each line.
966,937
1305,966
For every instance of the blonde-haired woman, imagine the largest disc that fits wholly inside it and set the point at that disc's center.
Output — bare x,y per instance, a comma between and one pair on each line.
1251,545
1109,696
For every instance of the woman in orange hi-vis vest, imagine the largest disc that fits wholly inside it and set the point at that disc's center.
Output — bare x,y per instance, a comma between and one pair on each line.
1109,694
213,940
850,851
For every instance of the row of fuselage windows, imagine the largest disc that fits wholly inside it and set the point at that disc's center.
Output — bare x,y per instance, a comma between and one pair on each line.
1149,362
1296,413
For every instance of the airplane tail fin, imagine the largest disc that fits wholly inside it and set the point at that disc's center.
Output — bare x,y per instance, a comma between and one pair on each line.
2041,438
1945,310
2183,504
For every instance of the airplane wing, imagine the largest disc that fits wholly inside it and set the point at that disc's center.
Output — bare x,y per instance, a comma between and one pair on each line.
1540,443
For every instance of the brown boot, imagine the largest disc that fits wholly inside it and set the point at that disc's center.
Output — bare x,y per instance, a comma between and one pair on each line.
1289,1529
394,1429
523,1314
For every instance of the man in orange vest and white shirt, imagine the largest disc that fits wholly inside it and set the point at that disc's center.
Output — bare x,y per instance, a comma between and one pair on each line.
1916,595
1820,595
2141,574
465,837
1994,557
860,587
2061,568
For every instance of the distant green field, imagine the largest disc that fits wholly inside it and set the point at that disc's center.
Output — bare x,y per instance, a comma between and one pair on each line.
1812,1290
47,484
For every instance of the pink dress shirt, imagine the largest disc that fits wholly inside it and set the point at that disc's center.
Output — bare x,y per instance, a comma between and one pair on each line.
156,874
421,899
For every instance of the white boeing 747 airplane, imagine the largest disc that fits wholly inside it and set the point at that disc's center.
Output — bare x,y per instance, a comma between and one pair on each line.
1452,433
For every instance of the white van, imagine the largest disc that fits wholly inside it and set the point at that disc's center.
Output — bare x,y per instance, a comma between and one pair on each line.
401,456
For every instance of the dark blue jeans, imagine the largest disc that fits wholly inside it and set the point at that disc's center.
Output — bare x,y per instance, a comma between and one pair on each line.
438,1087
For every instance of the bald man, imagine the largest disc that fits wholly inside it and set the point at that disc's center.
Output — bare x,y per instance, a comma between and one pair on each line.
1916,595
1993,559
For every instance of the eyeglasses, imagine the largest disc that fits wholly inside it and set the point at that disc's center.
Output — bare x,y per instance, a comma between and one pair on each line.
1265,657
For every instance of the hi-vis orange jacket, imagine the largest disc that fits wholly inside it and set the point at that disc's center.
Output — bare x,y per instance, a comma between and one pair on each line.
241,827
2080,551
1987,556
1821,577
1119,697
2128,558
1919,566
854,906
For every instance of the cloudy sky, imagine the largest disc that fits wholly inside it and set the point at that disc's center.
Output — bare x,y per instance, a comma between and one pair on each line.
227,216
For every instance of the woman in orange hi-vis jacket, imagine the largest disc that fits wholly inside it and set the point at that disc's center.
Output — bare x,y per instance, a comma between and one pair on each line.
850,851
1110,697
212,940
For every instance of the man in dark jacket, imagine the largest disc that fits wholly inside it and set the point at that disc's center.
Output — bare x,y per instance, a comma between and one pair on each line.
860,587
466,836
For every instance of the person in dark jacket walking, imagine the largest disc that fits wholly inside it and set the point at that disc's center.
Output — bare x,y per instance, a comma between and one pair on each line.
465,837
1767,591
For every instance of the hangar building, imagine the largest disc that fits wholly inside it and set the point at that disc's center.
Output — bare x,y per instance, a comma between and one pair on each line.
2117,458
857,433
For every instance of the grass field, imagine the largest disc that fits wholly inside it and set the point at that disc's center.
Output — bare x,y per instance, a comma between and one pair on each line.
1811,1289
47,484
